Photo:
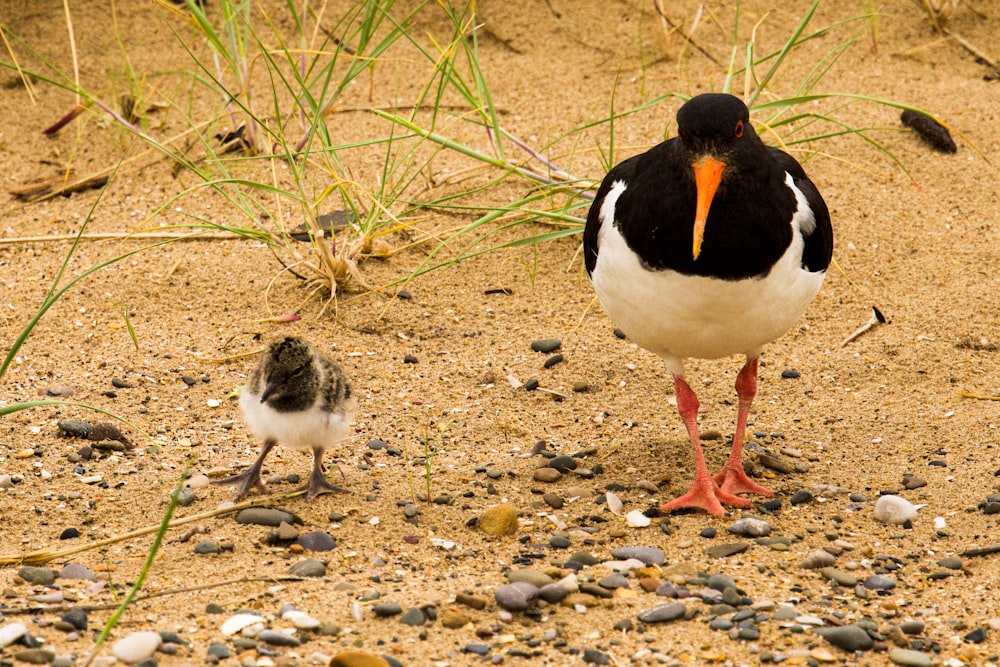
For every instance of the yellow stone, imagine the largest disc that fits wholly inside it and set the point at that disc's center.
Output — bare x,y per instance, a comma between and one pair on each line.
357,659
822,655
499,521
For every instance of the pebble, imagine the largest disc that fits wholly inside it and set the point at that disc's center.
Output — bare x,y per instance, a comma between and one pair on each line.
801,497
553,360
637,519
300,619
239,622
553,500
518,596
136,647
453,619
76,617
36,656
818,559
750,527
546,345
841,577
357,659
469,600
499,521
546,474
533,577
913,482
310,567
774,463
563,463
219,651
647,555
75,429
41,576
877,582
69,533
414,616
75,571
207,547
316,540
894,510
915,627
266,516
848,637
709,532
592,656
661,613
790,374
726,550
951,563
909,658
11,633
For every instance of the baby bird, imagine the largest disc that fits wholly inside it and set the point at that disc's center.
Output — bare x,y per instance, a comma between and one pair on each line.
301,399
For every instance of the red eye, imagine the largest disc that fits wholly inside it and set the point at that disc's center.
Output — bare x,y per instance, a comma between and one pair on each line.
739,129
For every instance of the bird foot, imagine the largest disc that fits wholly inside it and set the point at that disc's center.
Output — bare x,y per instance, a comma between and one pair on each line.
248,479
706,495
733,480
319,485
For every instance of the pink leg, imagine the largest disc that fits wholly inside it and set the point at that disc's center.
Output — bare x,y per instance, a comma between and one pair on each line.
732,479
705,493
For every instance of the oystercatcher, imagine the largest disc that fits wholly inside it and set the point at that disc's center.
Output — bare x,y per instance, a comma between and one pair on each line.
708,245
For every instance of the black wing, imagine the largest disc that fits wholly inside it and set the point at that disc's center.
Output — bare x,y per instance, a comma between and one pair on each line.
818,249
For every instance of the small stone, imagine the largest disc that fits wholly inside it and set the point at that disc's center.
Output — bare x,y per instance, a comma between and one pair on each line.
553,500
207,547
266,516
36,656
592,656
911,482
384,609
661,613
275,638
11,632
848,637
951,563
750,526
220,651
801,497
977,636
69,534
518,596
76,617
894,510
469,600
136,647
647,555
453,619
75,429
708,532
563,463
546,345
818,559
553,360
414,616
774,463
915,627
75,571
316,540
841,577
41,576
300,619
357,659
725,550
877,582
546,474
499,521
287,532
910,658
310,567
790,374
533,577
239,622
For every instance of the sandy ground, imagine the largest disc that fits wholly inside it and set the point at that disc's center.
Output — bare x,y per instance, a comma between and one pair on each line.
921,247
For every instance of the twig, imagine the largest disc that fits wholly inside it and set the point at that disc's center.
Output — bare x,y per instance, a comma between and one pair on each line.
981,551
658,4
119,236
877,318
978,397
42,556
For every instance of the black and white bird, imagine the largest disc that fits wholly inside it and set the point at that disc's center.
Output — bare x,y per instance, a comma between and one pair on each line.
301,399
708,245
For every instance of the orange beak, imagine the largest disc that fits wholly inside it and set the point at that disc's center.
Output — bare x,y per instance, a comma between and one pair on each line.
707,175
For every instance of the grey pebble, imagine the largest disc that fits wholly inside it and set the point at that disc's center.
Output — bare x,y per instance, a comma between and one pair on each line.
818,559
76,617
613,581
36,656
553,500
721,624
774,462
536,578
877,582
720,582
553,593
584,558
913,482
841,577
563,463
909,658
648,555
912,627
951,563
553,360
592,656
518,596
266,516
184,496
414,616
383,609
661,613
310,567
275,638
749,526
316,540
546,474
42,576
207,547
559,542
477,649
801,497
848,637
75,429
546,345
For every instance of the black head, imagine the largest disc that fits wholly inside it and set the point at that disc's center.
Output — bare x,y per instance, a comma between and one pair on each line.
288,366
715,123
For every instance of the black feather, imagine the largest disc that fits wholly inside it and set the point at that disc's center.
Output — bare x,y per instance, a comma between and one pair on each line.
931,131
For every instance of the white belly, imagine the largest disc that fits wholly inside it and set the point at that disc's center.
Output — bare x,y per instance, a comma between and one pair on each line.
298,430
677,316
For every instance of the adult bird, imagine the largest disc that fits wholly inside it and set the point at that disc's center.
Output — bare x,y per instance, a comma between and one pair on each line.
708,245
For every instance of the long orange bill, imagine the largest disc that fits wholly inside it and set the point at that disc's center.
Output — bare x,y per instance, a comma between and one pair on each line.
707,175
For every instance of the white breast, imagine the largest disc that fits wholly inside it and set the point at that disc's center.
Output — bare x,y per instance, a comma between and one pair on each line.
304,430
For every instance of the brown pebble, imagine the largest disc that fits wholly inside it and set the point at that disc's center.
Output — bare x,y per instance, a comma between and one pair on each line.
454,619
650,584
553,500
468,600
499,521
546,475
774,463
350,659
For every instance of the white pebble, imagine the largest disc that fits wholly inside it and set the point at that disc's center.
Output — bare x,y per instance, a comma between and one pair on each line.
615,503
213,402
198,482
894,510
636,519
300,619
136,647
11,633
236,623
939,523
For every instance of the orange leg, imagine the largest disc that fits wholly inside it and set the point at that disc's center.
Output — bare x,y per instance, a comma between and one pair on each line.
705,493
732,479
